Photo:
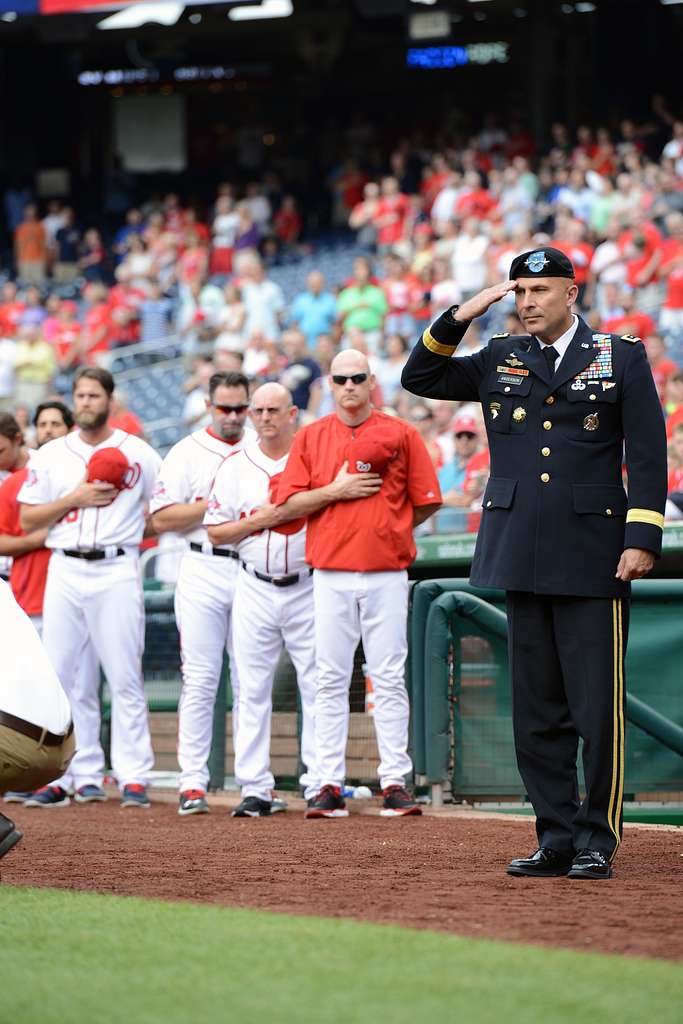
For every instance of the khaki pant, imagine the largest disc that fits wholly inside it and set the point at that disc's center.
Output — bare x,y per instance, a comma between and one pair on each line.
31,271
25,765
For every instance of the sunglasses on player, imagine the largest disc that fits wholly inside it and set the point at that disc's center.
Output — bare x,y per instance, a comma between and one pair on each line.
238,409
355,378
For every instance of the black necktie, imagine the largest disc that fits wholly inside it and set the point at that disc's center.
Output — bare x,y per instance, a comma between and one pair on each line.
550,355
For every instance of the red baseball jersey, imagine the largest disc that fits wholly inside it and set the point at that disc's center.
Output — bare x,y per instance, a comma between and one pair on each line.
29,571
372,534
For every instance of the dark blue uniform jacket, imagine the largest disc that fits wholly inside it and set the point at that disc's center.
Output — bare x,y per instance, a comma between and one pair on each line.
556,516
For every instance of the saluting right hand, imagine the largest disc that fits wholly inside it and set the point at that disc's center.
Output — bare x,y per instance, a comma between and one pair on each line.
95,495
479,303
349,486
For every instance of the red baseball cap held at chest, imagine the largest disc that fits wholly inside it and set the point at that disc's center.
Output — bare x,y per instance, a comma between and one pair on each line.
109,466
372,451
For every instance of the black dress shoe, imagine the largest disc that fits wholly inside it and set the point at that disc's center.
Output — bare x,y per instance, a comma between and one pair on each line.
545,863
590,864
9,835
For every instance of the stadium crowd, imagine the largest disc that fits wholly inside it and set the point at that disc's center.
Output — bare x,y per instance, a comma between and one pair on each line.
431,227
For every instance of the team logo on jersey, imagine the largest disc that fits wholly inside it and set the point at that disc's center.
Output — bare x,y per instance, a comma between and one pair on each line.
213,504
159,489
131,476
536,261
363,467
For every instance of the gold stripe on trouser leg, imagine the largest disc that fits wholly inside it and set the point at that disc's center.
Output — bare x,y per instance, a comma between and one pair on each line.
615,720
617,790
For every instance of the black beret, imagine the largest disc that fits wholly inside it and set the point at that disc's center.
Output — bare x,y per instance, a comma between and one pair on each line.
545,262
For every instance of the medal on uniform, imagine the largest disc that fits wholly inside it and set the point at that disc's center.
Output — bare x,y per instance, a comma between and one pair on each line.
519,414
607,384
513,360
494,408
591,422
578,385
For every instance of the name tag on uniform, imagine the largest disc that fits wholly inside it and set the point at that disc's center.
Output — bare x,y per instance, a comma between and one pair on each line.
512,370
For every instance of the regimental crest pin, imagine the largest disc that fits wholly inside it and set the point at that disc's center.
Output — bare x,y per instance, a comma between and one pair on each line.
494,409
519,414
536,261
591,422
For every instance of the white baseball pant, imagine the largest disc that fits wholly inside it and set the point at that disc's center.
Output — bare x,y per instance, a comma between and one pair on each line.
87,764
101,600
203,609
372,606
265,617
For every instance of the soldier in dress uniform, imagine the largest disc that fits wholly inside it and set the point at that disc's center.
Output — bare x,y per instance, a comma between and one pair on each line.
561,536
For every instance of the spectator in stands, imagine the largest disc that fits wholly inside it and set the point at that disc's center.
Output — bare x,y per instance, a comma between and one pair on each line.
263,299
673,406
444,414
224,230
671,271
363,216
422,417
661,365
607,267
132,228
34,366
92,263
231,321
314,310
33,313
402,293
52,222
138,262
390,215
11,310
193,262
388,370
121,417
68,246
66,339
30,247
632,320
8,358
469,259
456,500
287,223
300,370
258,204
362,304
195,412
247,235
156,314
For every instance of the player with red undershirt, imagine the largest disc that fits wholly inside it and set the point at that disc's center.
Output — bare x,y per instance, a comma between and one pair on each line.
206,582
364,480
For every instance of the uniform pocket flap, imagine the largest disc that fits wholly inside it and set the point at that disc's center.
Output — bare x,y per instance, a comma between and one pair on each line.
499,492
509,384
600,499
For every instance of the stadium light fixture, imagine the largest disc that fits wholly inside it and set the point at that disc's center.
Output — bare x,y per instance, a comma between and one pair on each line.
266,9
141,14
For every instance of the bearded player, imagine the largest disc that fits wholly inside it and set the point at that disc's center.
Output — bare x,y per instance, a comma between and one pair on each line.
90,489
206,581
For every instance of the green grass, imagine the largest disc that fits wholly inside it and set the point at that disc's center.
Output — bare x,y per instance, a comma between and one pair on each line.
77,958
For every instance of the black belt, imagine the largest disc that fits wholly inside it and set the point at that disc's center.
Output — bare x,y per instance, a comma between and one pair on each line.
221,552
94,555
278,581
34,732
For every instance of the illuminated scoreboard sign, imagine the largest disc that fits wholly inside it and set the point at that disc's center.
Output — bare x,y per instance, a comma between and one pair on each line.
458,56
93,6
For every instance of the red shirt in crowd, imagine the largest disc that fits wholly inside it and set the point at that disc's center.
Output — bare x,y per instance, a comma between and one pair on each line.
394,209
672,421
661,373
10,315
401,293
581,254
636,323
29,571
372,534
675,482
128,421
479,203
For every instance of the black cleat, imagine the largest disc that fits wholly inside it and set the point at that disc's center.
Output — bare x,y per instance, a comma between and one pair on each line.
252,807
329,803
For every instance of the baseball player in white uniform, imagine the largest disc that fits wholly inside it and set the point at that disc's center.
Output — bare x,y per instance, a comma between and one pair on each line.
91,489
36,736
273,598
29,571
206,582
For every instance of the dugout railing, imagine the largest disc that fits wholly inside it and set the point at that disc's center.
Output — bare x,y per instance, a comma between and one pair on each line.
460,695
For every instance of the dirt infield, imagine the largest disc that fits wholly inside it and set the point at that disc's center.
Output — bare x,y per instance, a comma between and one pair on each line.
439,872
